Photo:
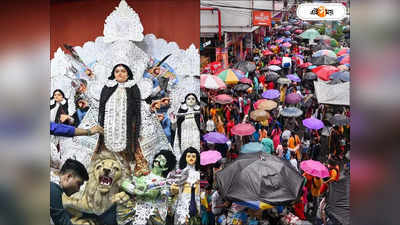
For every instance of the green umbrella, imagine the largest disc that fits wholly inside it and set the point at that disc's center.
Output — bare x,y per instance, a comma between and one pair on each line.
309,34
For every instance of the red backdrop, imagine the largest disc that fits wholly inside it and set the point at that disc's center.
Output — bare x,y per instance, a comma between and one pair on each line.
77,21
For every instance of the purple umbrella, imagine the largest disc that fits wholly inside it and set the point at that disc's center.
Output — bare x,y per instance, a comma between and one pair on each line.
271,94
313,123
216,138
293,77
293,98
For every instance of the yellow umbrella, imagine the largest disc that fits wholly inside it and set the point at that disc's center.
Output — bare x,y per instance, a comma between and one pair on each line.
229,76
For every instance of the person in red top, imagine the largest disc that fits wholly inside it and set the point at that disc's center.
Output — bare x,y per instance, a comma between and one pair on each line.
270,85
261,79
229,126
228,109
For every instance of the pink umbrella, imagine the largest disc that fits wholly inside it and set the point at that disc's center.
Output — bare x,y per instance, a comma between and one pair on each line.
243,129
223,99
246,81
275,62
209,157
267,52
305,65
211,82
314,168
298,31
286,44
345,60
293,98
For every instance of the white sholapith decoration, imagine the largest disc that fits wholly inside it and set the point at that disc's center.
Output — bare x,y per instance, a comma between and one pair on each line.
123,24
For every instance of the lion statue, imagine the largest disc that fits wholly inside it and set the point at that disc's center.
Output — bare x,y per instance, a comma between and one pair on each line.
101,192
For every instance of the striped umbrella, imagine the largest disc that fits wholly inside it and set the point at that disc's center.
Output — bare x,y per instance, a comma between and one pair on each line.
230,76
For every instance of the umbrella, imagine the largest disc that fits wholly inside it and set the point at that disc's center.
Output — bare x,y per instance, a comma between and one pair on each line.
293,77
267,52
287,44
230,76
241,87
314,168
321,46
271,94
271,76
313,123
287,39
274,68
279,40
209,157
305,65
261,177
338,201
275,62
265,104
339,120
324,71
312,67
343,51
252,147
215,137
298,31
246,81
243,129
245,66
345,60
309,34
223,99
259,115
343,68
287,32
322,57
284,81
211,82
291,112
293,98
343,76
310,76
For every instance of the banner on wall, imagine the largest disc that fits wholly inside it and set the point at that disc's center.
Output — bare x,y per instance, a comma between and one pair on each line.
221,55
338,94
261,18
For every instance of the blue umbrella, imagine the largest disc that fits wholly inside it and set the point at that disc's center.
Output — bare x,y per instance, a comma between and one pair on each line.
287,39
266,39
252,147
311,67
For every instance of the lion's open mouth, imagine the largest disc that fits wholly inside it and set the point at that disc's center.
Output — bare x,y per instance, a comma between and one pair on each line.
105,180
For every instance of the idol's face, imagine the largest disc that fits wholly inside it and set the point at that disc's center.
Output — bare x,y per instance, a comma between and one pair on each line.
191,101
58,97
121,74
191,158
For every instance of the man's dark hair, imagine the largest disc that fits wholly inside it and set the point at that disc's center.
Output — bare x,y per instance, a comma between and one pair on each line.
76,168
284,144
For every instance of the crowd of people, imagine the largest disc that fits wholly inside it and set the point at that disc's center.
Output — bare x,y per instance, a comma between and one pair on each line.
278,124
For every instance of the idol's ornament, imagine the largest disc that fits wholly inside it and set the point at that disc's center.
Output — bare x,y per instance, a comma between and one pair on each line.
131,85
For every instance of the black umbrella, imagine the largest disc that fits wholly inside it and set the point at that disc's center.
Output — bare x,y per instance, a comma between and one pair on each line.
321,47
271,76
245,66
338,201
241,87
323,60
339,119
261,177
310,76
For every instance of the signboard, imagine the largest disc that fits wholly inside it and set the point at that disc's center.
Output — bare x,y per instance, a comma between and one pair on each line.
261,18
221,55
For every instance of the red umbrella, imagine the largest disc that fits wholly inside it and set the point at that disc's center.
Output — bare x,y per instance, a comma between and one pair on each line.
324,71
267,52
245,80
275,62
305,65
298,31
243,129
223,99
